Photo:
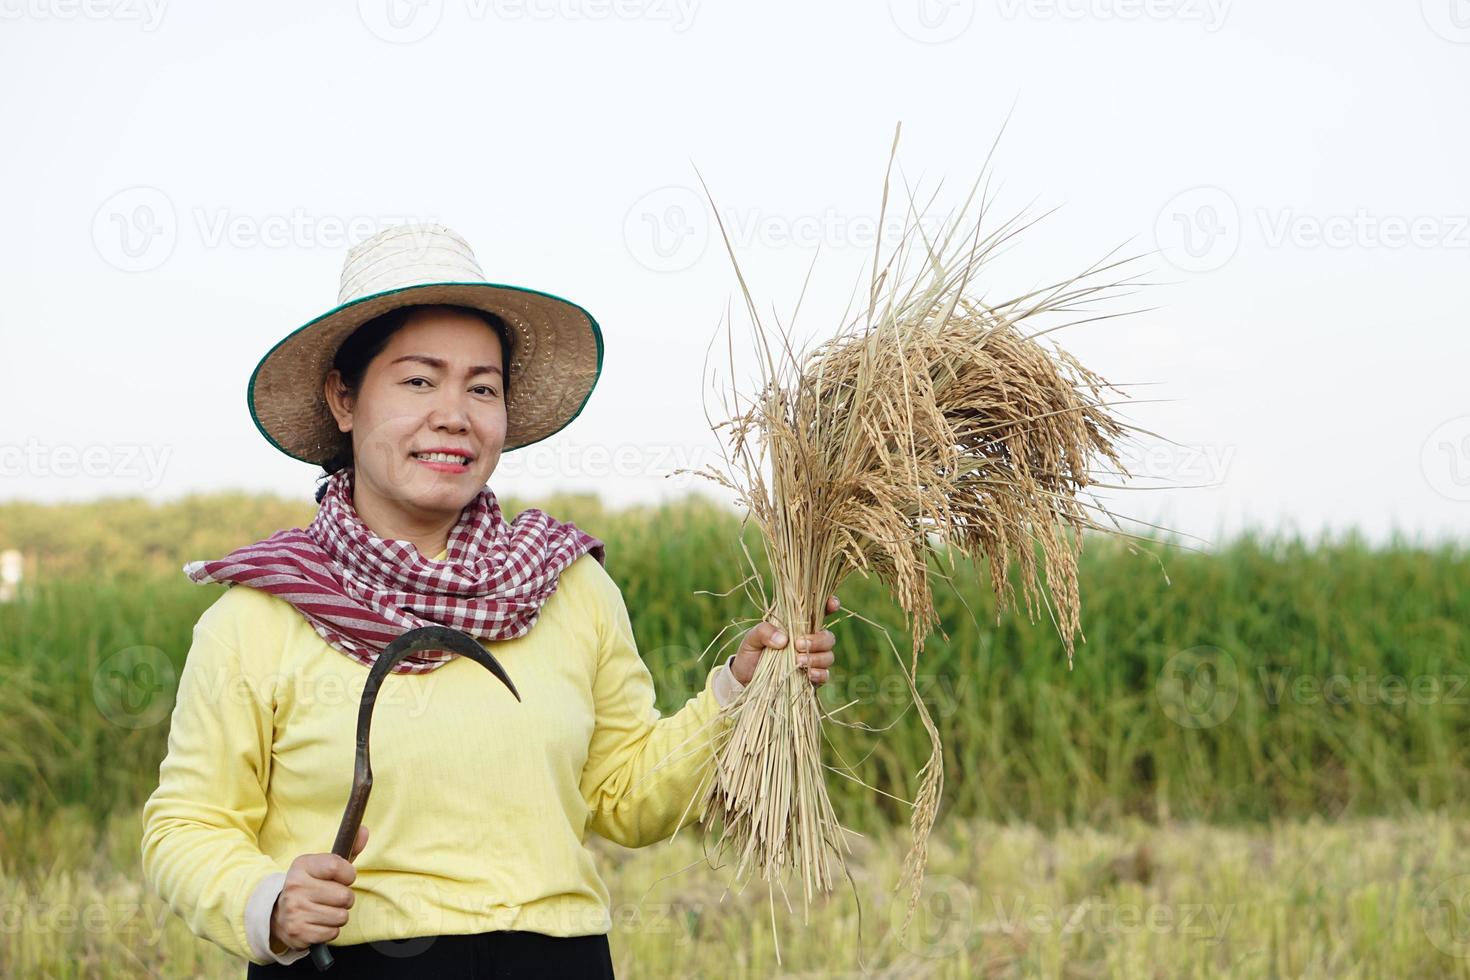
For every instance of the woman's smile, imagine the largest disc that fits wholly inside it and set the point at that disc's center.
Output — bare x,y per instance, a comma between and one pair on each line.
445,460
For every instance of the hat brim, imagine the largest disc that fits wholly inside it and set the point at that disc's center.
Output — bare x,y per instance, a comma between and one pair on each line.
556,359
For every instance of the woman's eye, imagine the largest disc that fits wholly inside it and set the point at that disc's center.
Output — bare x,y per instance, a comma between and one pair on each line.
486,389
412,380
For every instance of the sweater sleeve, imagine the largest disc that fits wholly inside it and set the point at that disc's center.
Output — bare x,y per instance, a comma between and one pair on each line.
645,775
726,687
199,846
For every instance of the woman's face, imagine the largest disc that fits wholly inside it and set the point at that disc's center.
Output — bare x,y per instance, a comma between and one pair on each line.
435,387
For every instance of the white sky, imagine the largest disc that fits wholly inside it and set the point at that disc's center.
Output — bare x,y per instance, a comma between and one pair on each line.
1304,167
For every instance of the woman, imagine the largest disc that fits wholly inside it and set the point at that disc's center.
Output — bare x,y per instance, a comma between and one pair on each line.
407,393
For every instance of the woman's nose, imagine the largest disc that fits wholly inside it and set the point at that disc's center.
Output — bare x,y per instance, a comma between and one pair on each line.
450,411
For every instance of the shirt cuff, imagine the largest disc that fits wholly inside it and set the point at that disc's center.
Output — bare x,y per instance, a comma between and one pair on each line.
726,687
258,910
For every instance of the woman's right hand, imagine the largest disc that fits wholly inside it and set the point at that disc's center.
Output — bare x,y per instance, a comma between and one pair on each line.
312,907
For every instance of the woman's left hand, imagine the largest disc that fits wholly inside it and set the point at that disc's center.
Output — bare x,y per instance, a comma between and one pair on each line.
813,650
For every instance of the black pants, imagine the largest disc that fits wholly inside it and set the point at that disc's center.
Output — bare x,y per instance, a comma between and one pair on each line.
503,955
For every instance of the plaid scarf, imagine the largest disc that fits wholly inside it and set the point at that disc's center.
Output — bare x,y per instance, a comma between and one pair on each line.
361,592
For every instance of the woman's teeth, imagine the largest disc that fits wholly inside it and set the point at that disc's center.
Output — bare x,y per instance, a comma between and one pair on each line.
442,458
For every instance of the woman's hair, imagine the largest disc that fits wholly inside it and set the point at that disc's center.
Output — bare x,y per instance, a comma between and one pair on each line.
367,342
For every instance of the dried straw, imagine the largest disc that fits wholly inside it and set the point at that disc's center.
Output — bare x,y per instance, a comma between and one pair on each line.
932,424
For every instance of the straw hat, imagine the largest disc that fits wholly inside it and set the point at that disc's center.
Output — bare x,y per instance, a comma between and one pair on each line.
555,345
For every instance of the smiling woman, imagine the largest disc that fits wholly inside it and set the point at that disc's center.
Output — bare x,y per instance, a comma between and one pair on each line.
420,387
407,393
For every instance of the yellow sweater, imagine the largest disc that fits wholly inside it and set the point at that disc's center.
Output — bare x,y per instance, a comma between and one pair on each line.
480,806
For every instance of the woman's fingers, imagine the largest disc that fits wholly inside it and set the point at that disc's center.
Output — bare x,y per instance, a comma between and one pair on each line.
814,642
816,665
814,652
332,895
768,635
326,915
764,635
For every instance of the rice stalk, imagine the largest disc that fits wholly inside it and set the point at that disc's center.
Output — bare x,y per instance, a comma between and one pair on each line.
934,425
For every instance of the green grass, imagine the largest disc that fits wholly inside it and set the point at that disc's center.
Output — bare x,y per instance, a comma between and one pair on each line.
1352,898
1332,679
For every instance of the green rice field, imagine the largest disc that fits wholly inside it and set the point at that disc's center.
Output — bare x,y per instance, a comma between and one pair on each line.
1259,764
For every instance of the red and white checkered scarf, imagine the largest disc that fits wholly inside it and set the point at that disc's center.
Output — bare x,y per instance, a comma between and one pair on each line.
361,592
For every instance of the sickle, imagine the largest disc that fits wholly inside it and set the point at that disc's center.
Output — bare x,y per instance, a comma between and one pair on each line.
424,638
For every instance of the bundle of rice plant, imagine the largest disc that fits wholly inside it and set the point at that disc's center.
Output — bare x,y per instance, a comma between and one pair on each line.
935,424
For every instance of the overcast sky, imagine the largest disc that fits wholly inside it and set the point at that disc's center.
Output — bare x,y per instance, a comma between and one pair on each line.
182,182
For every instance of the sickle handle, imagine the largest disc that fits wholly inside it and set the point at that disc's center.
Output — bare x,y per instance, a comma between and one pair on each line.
424,638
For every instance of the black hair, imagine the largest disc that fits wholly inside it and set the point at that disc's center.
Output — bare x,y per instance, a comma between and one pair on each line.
367,342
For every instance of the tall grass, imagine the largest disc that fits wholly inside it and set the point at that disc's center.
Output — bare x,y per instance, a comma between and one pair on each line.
1314,899
1349,668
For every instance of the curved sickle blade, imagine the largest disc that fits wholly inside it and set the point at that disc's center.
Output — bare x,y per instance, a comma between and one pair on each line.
423,638
435,638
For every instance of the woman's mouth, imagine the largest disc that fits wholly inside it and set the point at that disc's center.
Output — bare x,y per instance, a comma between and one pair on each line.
444,462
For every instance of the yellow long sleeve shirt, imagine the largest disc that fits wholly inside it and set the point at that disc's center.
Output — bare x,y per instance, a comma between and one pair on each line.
480,807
